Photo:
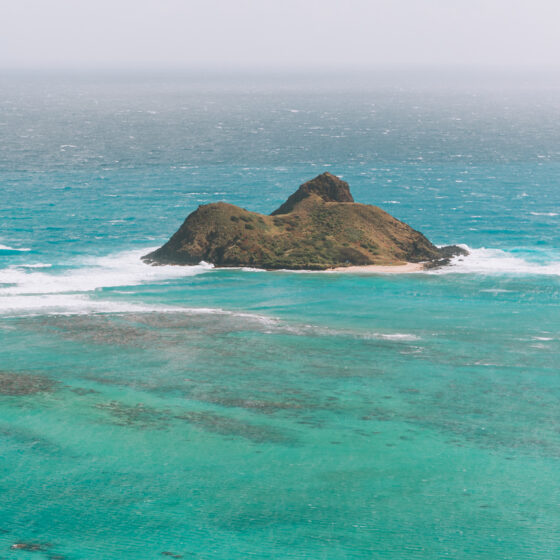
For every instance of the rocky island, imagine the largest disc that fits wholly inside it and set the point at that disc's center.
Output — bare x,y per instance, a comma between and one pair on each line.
319,227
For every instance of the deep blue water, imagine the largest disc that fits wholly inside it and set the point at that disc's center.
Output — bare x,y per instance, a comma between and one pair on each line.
232,413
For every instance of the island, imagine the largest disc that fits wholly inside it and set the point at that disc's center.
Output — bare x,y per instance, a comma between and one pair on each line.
319,227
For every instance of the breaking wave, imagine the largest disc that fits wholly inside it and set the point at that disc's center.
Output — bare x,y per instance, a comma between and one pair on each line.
29,287
497,261
120,269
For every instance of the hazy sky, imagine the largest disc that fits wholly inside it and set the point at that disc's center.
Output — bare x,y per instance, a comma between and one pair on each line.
278,33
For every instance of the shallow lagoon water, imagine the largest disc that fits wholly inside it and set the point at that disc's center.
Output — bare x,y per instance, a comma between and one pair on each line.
233,413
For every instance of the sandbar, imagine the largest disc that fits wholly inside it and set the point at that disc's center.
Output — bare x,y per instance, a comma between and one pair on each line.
380,269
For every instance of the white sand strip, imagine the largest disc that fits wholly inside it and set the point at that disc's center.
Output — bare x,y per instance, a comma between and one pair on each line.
380,269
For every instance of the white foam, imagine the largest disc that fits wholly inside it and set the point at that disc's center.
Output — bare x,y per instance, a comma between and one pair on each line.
277,326
35,265
496,262
64,304
16,249
80,304
29,287
397,336
121,269
497,291
544,213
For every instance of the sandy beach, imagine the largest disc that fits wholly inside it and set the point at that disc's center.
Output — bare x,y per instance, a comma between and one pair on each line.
380,269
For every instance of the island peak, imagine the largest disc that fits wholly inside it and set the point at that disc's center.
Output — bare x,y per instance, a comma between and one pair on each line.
327,187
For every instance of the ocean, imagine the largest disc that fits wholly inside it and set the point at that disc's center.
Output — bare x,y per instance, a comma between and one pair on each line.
150,412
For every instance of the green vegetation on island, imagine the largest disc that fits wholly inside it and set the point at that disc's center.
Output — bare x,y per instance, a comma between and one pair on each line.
317,228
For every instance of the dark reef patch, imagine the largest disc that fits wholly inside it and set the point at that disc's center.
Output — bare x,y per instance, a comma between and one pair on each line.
115,330
141,416
258,405
226,426
138,415
29,440
82,391
20,384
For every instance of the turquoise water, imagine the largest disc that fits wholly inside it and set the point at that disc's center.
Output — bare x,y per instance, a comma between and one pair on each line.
236,413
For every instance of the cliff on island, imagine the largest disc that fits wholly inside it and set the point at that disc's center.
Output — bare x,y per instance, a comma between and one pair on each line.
317,228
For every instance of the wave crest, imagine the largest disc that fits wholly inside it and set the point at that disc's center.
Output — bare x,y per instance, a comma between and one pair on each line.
8,249
496,261
28,287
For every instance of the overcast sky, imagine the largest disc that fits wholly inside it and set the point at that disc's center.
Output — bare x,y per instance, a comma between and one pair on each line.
278,34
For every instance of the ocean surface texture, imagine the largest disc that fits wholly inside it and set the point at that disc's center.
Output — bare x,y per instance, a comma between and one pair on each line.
189,412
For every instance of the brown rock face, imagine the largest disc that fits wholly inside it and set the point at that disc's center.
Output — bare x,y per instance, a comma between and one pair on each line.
327,187
318,227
